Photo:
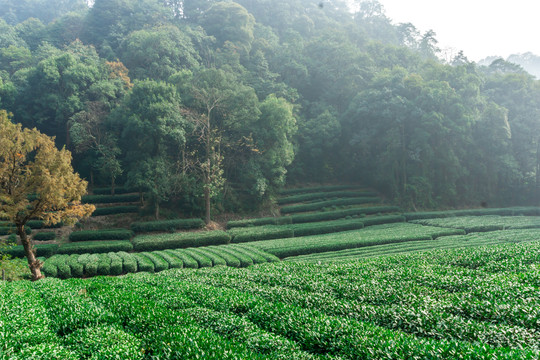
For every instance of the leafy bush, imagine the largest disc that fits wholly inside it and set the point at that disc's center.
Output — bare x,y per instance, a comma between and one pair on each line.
202,259
113,210
117,190
231,260
323,188
116,263
167,225
44,250
84,247
244,259
340,214
44,236
216,259
144,263
7,230
259,221
324,195
108,199
179,240
106,234
129,262
187,260
159,263
240,235
323,204
174,261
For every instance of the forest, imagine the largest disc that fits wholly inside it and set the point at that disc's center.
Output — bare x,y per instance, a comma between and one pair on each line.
203,103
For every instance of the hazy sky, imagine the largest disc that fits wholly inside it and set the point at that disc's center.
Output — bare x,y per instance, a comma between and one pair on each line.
480,28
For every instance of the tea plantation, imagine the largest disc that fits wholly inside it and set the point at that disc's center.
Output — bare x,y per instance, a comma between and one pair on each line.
359,280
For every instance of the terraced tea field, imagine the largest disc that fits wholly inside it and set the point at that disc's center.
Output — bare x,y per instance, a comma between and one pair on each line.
476,303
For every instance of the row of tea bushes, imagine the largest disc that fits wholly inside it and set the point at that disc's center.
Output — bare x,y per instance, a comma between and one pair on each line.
447,242
511,211
315,206
314,217
114,210
117,190
484,223
44,236
94,247
321,188
104,234
180,240
258,233
373,235
473,304
110,199
167,225
318,196
117,263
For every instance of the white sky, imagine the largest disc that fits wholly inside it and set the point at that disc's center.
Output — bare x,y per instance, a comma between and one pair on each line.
480,28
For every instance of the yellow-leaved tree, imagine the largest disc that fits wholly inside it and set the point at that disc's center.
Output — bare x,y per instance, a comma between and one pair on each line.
37,181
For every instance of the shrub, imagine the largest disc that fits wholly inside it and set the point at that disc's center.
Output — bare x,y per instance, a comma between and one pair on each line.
104,264
115,210
117,190
202,260
108,199
95,247
144,263
283,220
240,235
77,269
45,250
323,188
340,214
116,263
324,195
179,240
90,263
269,257
159,263
231,260
322,204
7,230
44,236
187,260
129,262
174,261
167,225
257,259
107,234
245,261
216,259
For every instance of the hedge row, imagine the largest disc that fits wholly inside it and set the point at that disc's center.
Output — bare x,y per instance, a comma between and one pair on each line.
259,222
511,211
45,250
44,236
324,195
7,230
106,234
167,225
117,190
340,214
323,204
323,188
180,240
112,210
94,247
88,265
242,235
107,199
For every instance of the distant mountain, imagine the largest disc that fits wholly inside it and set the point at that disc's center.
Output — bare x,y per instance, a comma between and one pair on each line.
528,61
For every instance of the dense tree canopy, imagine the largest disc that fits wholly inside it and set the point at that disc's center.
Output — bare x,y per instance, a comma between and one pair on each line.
217,104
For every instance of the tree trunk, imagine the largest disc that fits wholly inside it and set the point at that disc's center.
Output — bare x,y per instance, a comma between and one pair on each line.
157,209
207,204
30,252
112,184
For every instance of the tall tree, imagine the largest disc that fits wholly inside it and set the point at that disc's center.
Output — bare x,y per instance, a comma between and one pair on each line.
36,181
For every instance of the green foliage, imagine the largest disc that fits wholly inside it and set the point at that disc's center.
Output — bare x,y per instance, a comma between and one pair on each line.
118,190
484,223
179,240
259,222
166,225
44,236
328,203
318,196
94,247
113,210
103,234
340,214
44,250
110,199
